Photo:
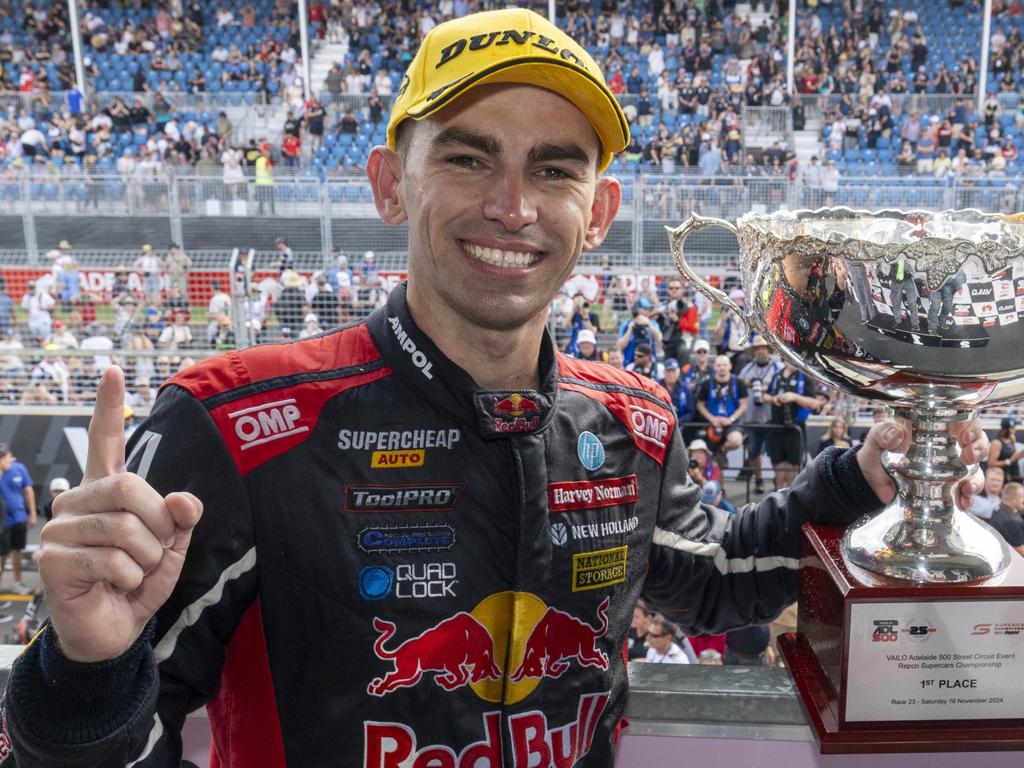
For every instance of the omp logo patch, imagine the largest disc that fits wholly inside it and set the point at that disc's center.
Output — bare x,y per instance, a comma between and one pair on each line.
593,570
267,422
396,459
649,425
436,497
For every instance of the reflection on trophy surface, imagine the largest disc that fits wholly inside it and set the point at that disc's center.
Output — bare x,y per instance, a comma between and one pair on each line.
916,309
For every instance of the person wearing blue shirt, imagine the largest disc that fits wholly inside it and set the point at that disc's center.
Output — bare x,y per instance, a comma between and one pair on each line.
20,499
639,330
680,394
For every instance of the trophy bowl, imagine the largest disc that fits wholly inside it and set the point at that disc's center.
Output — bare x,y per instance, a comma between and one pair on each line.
915,309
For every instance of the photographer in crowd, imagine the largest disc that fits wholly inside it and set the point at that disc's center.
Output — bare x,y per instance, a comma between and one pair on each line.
721,401
578,318
678,322
639,330
757,375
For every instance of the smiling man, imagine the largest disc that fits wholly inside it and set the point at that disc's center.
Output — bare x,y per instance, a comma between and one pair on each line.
424,534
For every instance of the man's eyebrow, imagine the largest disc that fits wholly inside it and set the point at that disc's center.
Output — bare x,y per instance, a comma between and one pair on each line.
548,152
477,141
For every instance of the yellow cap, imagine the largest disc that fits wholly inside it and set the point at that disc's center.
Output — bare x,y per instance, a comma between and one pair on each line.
508,46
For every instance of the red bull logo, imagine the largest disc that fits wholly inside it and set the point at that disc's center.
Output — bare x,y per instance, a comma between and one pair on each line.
516,406
534,744
469,649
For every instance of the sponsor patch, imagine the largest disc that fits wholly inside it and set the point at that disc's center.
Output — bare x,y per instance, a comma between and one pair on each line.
591,494
434,497
533,741
406,538
649,425
515,413
395,440
408,581
593,570
267,422
590,451
396,459
418,358
586,531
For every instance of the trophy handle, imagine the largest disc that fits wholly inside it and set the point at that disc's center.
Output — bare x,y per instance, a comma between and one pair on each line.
678,236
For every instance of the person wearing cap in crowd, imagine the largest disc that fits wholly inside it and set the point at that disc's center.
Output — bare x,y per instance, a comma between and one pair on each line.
57,486
285,258
1004,451
149,265
178,265
310,326
699,369
61,336
586,346
52,373
712,494
288,307
20,499
758,375
639,330
578,315
678,393
645,364
494,161
39,305
703,467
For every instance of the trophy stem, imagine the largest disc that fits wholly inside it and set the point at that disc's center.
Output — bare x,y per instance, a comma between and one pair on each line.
922,535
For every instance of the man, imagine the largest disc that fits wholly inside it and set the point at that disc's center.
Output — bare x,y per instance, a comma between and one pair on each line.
586,346
792,396
678,393
721,402
678,322
640,330
644,363
661,645
399,640
987,502
757,375
20,500
1006,518
178,266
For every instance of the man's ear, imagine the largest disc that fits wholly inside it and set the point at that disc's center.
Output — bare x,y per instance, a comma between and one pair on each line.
607,198
384,170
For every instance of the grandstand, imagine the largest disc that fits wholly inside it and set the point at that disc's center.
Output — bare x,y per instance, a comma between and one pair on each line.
178,101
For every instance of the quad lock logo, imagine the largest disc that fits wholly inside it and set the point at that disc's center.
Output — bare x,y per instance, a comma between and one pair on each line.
408,581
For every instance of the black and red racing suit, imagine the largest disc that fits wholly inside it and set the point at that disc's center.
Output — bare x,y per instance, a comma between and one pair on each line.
396,566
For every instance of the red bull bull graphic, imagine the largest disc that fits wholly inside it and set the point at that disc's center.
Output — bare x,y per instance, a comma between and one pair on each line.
506,632
459,650
517,407
533,743
559,637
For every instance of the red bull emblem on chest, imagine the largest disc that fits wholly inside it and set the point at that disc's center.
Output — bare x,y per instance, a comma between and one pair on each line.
516,413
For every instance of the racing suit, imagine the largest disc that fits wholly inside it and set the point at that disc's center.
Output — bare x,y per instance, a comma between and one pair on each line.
396,566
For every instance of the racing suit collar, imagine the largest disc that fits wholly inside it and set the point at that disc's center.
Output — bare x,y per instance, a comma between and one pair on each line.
415,357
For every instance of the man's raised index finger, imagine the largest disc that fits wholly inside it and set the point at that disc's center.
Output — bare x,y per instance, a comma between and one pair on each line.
106,428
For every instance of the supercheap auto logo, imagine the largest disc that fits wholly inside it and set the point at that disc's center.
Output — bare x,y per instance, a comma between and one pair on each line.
501,649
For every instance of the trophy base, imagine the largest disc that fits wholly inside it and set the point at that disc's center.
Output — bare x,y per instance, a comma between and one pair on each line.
886,665
925,551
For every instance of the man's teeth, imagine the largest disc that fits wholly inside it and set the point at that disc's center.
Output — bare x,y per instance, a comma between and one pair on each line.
500,258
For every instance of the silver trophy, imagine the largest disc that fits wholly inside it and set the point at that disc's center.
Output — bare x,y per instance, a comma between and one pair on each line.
921,311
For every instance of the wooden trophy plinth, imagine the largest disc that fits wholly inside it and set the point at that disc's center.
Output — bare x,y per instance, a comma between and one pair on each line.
891,666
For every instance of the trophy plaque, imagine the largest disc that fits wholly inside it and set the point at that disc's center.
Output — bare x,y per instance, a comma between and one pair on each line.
911,622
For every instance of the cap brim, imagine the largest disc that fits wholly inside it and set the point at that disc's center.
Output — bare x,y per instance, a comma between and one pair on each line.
596,103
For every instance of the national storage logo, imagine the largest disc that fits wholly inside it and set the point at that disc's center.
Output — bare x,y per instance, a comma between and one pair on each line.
593,570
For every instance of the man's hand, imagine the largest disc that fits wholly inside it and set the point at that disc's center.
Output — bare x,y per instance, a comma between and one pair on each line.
114,550
894,436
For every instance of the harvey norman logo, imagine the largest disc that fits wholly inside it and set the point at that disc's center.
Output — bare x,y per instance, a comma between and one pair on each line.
591,494
265,423
419,359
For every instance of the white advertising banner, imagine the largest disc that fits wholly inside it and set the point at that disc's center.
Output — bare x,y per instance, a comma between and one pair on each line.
955,660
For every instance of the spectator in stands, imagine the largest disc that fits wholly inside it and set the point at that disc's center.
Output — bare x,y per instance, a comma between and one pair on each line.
142,395
661,645
20,499
721,401
265,182
586,346
985,503
578,315
57,486
177,335
149,265
680,396
39,305
61,336
645,364
1003,451
793,396
838,436
677,320
84,379
703,467
757,375
731,335
749,647
636,640
12,366
325,303
830,178
1006,518
178,265
639,330
712,494
289,307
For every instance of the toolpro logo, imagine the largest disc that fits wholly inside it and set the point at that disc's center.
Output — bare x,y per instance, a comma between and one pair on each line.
516,629
436,497
516,413
534,743
265,423
418,358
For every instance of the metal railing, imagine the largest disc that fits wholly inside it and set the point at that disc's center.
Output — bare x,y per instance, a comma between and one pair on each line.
180,101
817,106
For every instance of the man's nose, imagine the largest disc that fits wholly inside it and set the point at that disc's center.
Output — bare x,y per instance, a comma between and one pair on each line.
511,201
